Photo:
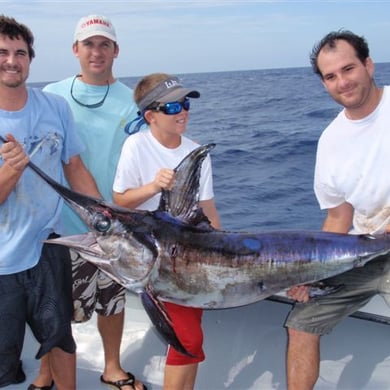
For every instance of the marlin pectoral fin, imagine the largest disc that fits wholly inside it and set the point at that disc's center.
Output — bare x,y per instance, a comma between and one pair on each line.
161,321
321,289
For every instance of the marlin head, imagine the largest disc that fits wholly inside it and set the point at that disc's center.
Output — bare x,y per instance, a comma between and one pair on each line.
117,242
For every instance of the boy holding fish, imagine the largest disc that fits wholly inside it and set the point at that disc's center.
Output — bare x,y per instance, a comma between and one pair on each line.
144,169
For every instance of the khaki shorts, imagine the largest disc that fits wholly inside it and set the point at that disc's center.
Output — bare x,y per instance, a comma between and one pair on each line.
320,315
93,291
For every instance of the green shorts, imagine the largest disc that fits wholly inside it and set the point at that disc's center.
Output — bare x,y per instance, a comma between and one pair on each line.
321,314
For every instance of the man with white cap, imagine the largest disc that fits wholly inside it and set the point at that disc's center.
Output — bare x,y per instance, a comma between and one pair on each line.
102,106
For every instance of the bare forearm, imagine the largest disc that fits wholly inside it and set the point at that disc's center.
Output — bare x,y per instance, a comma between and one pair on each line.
80,179
8,179
15,161
210,210
85,184
132,198
339,219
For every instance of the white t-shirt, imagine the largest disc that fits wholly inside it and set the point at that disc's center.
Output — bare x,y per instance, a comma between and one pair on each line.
353,165
143,156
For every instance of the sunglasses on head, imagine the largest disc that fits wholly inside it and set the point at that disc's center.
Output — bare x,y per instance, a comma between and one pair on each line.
172,108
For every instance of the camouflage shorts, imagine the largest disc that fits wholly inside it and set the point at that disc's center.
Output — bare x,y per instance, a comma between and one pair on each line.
93,291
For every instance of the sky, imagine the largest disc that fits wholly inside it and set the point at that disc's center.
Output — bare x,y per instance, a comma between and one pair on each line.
181,37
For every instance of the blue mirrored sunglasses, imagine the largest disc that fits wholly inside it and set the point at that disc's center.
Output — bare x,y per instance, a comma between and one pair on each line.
173,108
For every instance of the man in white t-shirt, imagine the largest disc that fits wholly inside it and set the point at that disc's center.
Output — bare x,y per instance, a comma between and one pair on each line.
351,183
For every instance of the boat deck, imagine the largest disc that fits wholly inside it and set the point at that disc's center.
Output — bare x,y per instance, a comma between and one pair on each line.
245,349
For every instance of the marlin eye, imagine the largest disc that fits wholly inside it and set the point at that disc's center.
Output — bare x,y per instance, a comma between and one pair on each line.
101,223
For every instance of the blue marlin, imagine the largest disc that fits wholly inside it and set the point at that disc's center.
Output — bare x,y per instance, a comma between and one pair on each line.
174,254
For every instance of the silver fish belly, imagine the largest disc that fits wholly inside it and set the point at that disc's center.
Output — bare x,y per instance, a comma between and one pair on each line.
206,272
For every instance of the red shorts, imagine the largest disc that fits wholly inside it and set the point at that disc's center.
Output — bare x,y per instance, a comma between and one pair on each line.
187,323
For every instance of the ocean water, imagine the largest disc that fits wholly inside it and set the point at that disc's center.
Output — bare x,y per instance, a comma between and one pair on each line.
265,124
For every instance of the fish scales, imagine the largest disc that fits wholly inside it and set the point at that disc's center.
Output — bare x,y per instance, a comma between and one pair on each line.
192,270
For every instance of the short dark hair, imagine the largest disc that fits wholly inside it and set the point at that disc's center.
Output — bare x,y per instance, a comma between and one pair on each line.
359,43
14,30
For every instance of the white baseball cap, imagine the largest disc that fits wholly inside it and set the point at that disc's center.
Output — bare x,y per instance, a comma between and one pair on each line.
91,25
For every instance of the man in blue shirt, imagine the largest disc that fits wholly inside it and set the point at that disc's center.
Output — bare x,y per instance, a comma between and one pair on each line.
35,278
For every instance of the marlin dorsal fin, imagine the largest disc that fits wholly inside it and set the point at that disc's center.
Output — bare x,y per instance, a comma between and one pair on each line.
182,201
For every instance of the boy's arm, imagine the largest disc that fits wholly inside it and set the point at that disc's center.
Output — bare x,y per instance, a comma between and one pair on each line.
133,197
210,210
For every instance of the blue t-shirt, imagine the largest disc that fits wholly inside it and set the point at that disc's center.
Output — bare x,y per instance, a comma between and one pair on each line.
102,131
45,128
